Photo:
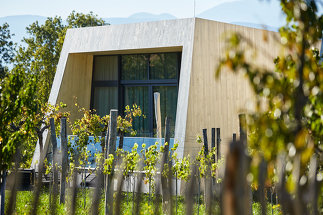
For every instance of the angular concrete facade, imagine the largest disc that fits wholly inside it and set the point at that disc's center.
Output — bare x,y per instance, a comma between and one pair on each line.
203,100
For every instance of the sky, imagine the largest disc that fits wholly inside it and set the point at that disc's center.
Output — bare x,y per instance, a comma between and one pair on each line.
106,8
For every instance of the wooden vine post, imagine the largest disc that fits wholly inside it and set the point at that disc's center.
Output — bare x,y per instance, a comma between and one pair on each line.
236,193
63,136
218,142
207,177
243,139
3,176
99,181
213,143
157,114
55,163
110,147
166,181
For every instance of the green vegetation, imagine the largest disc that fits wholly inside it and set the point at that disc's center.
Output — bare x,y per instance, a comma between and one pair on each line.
288,117
286,128
16,116
24,90
7,48
84,207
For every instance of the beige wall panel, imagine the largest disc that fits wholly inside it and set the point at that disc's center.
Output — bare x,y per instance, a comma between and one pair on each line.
76,83
217,102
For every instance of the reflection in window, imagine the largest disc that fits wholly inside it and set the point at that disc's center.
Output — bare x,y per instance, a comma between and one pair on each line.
134,67
139,96
168,105
163,66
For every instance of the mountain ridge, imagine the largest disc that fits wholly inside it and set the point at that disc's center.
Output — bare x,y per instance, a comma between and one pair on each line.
247,11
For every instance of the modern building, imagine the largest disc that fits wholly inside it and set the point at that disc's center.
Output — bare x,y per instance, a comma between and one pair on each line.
112,66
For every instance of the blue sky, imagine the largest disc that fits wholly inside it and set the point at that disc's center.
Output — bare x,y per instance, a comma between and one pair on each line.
106,8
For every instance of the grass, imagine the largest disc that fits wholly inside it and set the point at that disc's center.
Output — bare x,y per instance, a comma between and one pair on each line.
24,201
271,209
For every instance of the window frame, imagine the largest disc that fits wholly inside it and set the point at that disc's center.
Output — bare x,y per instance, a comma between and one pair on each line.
121,84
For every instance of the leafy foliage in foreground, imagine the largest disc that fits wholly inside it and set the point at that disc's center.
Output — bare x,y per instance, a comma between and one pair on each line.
291,119
16,116
288,122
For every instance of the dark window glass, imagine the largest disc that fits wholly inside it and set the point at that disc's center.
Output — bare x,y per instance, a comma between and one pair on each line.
139,95
163,66
105,81
105,99
105,68
134,67
168,105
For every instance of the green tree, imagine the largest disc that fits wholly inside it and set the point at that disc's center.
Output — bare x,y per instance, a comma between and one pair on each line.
7,48
16,121
16,113
41,54
80,20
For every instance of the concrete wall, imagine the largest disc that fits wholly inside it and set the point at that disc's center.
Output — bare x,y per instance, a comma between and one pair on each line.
76,83
216,103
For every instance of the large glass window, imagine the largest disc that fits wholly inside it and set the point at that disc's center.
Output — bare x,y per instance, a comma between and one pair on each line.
139,95
105,84
132,79
168,103
104,99
105,68
163,66
134,67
